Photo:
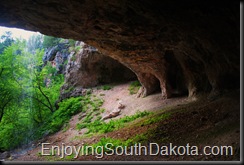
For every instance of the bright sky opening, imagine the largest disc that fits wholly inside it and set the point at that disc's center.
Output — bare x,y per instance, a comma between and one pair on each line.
17,33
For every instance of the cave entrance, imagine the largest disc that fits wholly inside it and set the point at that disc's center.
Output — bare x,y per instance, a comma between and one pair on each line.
113,71
175,78
157,86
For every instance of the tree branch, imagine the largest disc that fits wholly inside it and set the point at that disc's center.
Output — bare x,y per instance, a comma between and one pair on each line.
39,88
3,107
40,101
1,72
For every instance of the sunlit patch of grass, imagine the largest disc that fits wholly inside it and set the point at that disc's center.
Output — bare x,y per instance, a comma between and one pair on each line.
156,118
99,126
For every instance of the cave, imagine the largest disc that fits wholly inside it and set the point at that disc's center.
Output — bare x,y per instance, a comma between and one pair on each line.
174,48
175,77
177,47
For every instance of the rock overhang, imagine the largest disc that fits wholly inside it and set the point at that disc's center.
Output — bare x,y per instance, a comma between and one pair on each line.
175,45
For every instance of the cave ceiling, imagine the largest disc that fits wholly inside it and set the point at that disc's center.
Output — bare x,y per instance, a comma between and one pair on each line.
176,46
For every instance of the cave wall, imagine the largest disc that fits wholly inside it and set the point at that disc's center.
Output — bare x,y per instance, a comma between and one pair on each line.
83,67
201,36
88,68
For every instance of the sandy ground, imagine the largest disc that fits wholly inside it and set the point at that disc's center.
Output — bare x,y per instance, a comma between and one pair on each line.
132,103
111,98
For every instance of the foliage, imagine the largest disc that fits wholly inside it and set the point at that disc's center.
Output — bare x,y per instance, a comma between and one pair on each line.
106,87
5,41
77,48
72,42
11,73
15,108
34,43
27,102
134,139
73,58
49,41
156,118
72,47
134,87
67,108
29,107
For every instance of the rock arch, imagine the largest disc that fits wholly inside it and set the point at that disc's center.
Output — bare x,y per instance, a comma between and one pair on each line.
204,37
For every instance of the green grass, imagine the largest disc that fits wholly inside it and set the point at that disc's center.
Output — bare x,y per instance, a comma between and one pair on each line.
69,107
134,87
102,110
138,138
69,89
156,118
99,126
106,87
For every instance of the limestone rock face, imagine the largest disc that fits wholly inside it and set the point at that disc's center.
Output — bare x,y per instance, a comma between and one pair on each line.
174,46
88,68
83,66
57,55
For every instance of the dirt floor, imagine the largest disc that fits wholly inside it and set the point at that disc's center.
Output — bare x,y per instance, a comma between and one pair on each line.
198,122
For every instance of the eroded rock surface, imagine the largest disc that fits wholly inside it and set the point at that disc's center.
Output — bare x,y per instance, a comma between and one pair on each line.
88,68
170,45
57,55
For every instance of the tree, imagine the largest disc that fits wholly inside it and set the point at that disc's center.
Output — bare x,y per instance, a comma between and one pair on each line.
49,41
9,76
5,41
26,101
34,43
13,115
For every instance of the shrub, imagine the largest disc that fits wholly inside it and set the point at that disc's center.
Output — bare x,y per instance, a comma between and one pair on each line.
134,87
106,87
72,42
77,48
67,108
49,41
